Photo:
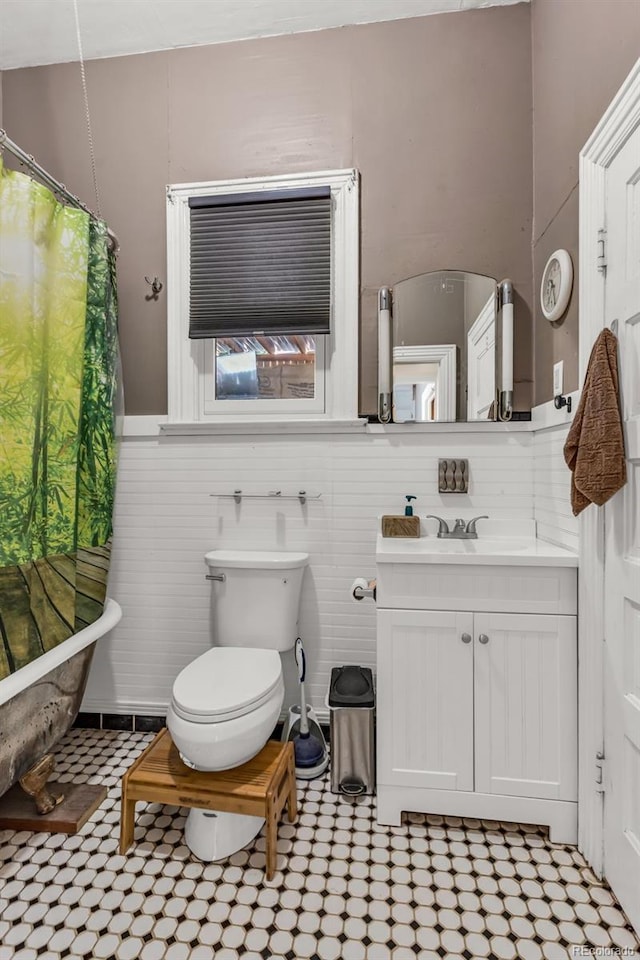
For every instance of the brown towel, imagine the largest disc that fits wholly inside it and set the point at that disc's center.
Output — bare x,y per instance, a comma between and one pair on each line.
594,449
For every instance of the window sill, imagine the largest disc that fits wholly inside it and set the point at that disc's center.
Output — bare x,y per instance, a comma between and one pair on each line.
238,428
154,426
159,426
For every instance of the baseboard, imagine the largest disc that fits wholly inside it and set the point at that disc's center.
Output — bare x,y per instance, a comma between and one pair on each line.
120,716
145,723
140,722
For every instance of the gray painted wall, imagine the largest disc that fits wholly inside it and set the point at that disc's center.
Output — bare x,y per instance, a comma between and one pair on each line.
421,107
582,50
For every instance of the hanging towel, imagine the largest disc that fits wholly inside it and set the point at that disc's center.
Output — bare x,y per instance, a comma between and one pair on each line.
594,449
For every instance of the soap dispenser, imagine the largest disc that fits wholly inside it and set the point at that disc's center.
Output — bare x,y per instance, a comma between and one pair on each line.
402,526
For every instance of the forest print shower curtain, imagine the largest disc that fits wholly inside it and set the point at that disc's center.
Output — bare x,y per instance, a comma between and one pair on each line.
58,388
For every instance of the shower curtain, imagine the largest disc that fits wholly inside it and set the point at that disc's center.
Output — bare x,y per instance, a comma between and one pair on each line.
58,397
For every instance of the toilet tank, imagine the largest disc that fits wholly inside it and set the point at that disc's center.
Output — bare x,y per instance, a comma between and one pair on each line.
256,605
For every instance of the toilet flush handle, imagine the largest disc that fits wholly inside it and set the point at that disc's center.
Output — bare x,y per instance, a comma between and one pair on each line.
216,576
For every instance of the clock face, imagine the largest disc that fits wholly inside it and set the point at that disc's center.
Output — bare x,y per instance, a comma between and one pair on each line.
551,285
555,289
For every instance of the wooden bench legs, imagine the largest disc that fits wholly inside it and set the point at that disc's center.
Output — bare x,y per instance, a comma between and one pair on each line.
127,820
281,793
292,803
264,786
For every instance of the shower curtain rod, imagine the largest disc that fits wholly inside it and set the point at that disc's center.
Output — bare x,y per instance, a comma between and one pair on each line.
8,144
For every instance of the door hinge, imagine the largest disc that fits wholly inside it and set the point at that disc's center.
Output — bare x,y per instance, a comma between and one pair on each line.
601,259
600,761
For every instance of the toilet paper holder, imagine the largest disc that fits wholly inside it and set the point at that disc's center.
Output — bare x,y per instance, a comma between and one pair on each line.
364,590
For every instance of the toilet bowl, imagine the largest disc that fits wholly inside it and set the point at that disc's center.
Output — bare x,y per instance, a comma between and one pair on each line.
226,703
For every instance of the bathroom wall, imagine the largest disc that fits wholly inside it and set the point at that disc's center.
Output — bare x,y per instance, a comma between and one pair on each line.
582,50
420,107
167,519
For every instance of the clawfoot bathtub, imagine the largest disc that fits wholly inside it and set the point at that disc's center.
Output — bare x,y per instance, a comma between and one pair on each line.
39,702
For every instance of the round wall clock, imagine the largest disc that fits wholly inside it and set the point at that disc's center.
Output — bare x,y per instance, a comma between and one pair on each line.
557,280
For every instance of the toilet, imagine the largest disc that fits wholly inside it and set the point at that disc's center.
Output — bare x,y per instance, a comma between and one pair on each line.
225,704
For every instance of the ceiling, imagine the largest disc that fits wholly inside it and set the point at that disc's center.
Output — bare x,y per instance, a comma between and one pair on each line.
34,32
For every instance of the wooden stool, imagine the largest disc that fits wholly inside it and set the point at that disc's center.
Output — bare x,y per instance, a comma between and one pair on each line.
262,787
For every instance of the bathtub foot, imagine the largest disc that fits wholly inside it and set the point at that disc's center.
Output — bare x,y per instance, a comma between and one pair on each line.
34,783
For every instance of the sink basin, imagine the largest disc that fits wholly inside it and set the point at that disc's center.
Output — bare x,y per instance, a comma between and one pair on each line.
484,550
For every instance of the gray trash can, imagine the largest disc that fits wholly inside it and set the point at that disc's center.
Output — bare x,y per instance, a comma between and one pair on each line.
351,703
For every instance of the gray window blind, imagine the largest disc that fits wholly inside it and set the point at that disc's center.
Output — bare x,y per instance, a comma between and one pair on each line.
260,263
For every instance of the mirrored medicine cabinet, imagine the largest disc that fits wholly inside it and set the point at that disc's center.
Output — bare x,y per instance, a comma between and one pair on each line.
445,348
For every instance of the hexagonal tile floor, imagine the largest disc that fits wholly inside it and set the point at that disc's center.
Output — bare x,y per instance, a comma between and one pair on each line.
437,887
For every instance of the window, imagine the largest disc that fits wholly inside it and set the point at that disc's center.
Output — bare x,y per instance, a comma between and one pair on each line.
263,299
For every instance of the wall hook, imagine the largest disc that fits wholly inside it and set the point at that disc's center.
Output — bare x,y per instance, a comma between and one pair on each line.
156,286
560,401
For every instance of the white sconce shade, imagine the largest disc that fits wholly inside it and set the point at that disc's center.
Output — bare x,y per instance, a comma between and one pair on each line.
384,355
505,405
507,347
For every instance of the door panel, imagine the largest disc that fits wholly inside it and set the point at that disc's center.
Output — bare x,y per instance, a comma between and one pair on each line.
622,544
481,362
526,705
425,699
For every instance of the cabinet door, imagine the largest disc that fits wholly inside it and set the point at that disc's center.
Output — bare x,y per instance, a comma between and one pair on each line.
526,705
425,699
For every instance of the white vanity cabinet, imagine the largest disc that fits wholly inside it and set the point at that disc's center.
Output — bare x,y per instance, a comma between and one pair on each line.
477,694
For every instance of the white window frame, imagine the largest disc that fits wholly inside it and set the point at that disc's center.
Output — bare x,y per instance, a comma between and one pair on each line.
189,393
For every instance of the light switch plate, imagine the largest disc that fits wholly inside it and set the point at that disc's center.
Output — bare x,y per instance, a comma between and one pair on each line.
558,377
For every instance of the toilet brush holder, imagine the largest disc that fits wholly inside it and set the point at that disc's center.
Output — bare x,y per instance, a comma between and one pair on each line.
292,722
291,729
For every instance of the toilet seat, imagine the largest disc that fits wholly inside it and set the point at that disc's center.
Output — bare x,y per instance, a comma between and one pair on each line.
225,683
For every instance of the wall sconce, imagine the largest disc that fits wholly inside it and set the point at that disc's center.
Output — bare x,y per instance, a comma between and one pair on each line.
505,405
384,355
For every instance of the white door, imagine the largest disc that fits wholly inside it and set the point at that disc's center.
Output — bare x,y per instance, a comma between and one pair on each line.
526,705
425,699
481,362
622,545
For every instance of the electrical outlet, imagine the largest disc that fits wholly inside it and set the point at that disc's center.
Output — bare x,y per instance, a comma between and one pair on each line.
558,377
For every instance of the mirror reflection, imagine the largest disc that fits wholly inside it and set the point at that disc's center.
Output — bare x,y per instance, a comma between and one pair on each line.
445,338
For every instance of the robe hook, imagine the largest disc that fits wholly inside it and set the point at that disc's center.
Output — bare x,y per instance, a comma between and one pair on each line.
156,286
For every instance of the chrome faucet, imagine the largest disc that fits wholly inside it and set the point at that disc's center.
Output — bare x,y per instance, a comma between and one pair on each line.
460,531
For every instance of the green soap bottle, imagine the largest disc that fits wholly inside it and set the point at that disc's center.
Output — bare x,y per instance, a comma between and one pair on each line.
402,526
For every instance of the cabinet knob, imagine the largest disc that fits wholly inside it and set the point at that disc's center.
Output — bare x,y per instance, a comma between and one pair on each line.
466,638
483,638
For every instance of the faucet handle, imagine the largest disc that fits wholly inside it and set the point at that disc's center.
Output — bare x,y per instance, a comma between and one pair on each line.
444,529
471,526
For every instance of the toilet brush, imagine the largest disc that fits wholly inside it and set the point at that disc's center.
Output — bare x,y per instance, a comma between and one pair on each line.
309,751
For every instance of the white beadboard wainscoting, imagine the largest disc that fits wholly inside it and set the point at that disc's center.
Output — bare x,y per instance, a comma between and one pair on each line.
555,521
166,520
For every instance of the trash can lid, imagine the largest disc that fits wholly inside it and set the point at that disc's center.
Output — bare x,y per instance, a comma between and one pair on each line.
351,686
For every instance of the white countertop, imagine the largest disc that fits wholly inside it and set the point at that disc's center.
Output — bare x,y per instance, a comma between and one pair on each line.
525,551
